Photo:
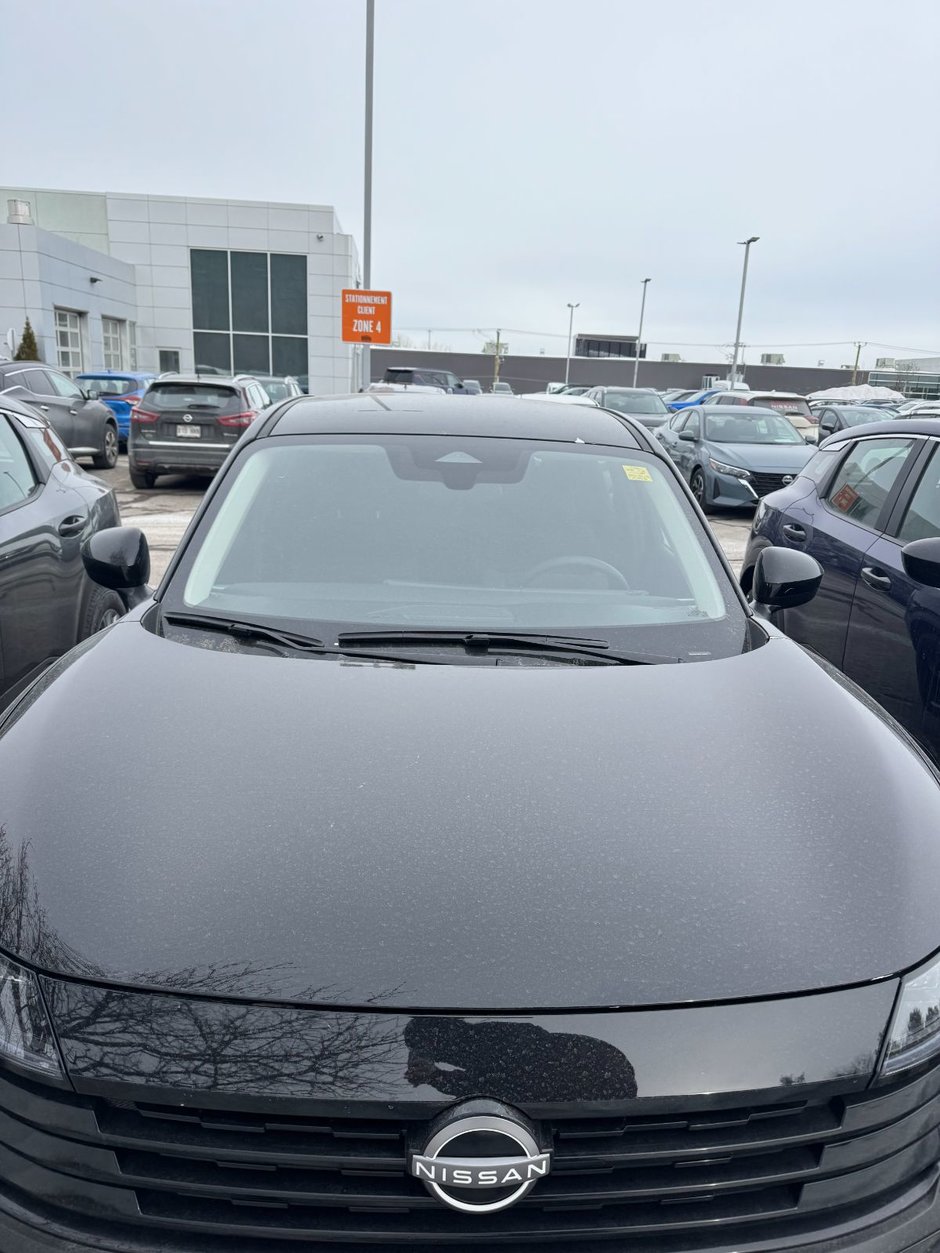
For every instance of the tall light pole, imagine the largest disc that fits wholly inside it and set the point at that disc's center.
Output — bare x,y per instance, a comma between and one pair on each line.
367,184
746,243
572,308
636,355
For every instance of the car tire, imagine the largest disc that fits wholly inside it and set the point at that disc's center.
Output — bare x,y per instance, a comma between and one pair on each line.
700,490
103,608
143,480
107,459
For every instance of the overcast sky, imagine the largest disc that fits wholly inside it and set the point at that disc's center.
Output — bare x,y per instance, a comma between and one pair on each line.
534,152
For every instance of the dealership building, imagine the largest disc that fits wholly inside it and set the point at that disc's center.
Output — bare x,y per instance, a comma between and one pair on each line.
163,283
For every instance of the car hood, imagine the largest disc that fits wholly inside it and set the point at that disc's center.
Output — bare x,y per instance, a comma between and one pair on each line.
469,837
763,458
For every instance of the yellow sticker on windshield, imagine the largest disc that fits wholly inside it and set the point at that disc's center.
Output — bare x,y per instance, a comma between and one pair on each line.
639,474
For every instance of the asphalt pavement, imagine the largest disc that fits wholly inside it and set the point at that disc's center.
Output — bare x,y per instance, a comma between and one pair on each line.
164,513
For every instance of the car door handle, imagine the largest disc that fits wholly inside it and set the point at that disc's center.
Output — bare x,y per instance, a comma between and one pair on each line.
44,408
73,412
72,525
876,578
793,531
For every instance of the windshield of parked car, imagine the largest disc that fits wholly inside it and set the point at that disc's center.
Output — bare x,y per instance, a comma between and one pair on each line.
634,402
108,385
334,533
750,428
207,398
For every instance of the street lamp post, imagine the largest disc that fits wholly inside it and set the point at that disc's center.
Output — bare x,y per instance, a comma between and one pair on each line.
636,355
572,308
737,335
366,359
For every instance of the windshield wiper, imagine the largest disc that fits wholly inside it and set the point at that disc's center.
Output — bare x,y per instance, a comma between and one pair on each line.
248,630
497,642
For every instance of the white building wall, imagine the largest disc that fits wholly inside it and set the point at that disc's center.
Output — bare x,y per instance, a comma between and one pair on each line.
154,234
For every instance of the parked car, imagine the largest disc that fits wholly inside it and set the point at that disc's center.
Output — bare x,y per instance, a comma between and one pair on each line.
867,508
48,507
473,387
425,376
834,418
501,388
277,387
693,398
188,424
576,389
249,1002
120,390
87,427
641,403
925,409
732,456
789,403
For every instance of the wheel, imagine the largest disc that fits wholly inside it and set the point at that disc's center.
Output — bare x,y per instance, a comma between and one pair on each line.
108,457
697,484
142,479
104,607
588,563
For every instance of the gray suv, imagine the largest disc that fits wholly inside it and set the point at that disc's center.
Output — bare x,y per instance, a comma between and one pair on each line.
187,423
87,428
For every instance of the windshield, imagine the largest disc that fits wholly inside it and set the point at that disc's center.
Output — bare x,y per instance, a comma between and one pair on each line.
108,386
276,389
334,533
634,402
750,428
784,404
206,397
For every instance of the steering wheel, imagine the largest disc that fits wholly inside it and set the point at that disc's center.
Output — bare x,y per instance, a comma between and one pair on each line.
591,563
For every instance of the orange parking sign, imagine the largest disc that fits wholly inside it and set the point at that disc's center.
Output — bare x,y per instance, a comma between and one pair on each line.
367,316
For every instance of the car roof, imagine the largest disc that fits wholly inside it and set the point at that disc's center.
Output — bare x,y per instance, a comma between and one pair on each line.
733,411
121,374
624,387
784,395
893,426
371,413
226,380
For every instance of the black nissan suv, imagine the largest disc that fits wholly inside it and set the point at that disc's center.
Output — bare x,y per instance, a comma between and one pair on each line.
432,916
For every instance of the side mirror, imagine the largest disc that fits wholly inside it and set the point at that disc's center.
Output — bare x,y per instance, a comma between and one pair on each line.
119,558
689,436
784,579
921,561
90,393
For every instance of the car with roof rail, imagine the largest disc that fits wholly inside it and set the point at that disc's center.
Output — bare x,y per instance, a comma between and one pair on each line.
867,508
189,423
464,950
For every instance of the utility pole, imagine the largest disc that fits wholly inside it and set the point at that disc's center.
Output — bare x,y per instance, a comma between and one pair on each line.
636,355
429,340
572,308
737,335
496,359
858,353
367,183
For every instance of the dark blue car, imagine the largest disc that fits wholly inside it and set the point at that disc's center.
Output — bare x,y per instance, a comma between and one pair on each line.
867,507
120,390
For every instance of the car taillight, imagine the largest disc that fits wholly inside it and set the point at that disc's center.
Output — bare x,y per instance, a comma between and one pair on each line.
142,416
238,419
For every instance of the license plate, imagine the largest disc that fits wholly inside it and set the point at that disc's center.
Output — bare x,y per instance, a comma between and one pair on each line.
188,432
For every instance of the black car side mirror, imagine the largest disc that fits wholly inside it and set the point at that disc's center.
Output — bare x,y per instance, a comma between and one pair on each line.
689,436
784,579
119,557
921,560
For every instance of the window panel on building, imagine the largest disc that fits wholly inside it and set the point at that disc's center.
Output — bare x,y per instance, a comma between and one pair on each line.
112,335
249,291
209,273
169,359
68,327
288,294
213,349
252,354
288,355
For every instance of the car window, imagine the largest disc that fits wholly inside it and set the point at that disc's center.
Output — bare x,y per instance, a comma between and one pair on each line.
64,386
17,480
866,477
784,404
694,424
680,419
34,381
750,428
108,385
922,520
818,469
205,398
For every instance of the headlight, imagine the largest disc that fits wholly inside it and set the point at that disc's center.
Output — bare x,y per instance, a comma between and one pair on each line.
25,1031
734,471
914,1036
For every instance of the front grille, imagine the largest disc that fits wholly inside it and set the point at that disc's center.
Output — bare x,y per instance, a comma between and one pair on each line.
227,1179
763,484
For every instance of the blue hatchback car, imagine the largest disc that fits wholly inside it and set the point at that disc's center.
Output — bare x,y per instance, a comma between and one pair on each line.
120,390
867,507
